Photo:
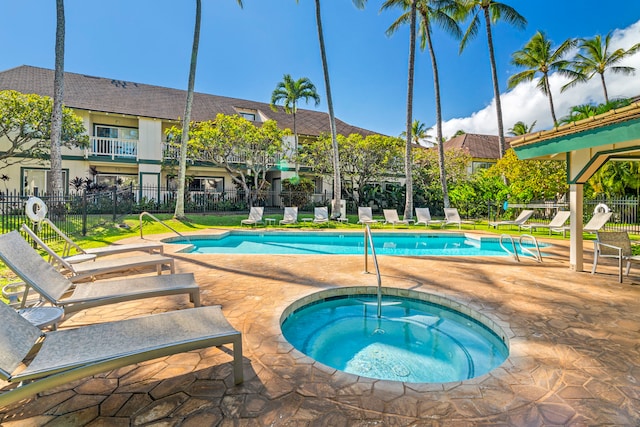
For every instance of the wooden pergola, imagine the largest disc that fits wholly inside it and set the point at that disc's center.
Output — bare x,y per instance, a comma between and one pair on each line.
585,145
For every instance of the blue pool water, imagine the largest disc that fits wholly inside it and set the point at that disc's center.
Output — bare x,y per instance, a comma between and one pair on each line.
331,243
413,341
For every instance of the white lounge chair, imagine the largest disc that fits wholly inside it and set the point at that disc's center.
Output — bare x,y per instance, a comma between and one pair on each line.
423,216
453,217
556,224
290,215
91,269
614,244
82,254
320,215
36,361
365,216
519,221
391,217
597,221
255,216
57,290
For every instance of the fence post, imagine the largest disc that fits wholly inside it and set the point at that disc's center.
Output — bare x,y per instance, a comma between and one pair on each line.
114,194
84,212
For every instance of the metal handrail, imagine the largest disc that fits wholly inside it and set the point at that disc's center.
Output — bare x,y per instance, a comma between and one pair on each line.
157,220
524,250
514,254
369,240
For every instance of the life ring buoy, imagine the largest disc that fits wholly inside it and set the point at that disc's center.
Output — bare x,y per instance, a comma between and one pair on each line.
35,209
601,208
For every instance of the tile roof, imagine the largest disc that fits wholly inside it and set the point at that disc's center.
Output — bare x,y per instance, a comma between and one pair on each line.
478,146
137,99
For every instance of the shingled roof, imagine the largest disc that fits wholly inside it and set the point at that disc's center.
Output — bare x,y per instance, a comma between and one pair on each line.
478,146
116,96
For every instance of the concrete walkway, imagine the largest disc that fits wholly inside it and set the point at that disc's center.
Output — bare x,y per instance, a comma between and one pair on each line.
574,360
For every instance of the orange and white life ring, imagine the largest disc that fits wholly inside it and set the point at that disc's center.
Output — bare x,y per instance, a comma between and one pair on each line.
35,209
601,208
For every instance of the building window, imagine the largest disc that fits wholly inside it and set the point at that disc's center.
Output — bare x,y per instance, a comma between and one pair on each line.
207,184
116,132
111,180
36,181
249,116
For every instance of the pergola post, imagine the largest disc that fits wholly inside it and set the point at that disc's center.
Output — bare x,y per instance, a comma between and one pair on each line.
576,207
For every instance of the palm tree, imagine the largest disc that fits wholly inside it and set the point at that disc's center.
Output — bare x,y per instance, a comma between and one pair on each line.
538,57
58,96
492,12
182,173
419,131
337,184
521,128
594,58
288,92
408,158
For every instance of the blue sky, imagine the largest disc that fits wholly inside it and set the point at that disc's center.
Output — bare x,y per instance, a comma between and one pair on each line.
245,52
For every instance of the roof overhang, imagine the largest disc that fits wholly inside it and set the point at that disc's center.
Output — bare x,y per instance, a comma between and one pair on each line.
586,145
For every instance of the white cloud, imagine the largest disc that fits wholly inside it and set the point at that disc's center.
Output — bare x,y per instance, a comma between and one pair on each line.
527,103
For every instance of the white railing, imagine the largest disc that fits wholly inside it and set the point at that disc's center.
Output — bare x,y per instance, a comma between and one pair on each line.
171,152
112,147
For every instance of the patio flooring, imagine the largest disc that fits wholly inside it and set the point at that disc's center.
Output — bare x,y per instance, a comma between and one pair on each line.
574,351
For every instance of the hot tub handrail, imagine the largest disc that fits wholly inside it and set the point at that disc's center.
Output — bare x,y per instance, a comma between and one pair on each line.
369,240
157,220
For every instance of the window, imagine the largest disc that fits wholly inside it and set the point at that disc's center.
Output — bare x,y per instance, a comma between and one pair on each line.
207,184
249,116
36,181
111,180
106,131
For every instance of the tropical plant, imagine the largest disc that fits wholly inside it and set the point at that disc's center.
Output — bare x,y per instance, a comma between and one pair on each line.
289,92
182,173
419,131
409,17
537,56
594,58
58,96
521,128
584,111
492,12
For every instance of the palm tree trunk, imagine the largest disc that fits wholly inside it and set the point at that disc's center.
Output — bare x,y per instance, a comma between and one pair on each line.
408,158
496,89
604,86
55,176
295,140
179,212
436,89
337,185
548,89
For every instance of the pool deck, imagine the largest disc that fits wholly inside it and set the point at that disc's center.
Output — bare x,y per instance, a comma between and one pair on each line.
574,351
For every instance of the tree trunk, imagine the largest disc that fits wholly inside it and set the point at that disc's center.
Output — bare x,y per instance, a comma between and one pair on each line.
604,87
548,89
55,176
496,89
179,212
408,158
337,185
436,89
295,141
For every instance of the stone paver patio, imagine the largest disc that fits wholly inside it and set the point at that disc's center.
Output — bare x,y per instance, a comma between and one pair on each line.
574,351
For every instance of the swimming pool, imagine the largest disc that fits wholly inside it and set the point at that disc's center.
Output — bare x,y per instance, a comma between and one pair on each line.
414,340
341,243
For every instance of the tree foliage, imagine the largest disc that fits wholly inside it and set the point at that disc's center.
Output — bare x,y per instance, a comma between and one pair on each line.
25,122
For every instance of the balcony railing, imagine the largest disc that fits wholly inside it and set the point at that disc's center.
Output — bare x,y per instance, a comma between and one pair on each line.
112,147
171,152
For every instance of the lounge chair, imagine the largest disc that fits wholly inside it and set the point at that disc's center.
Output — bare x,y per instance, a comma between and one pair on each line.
519,221
57,290
255,216
597,221
365,216
91,269
290,215
453,217
423,216
614,244
84,254
391,217
556,224
320,215
59,357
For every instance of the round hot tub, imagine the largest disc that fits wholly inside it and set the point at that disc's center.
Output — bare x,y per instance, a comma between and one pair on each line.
418,337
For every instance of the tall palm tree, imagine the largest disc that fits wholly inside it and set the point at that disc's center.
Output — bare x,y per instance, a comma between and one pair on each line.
419,131
56,112
289,92
182,173
594,58
538,57
411,5
521,128
337,184
492,11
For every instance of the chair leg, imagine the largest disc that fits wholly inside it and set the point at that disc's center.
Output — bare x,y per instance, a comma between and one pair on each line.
595,261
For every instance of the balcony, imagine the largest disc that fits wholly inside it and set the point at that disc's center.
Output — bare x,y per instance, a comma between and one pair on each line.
113,148
171,152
